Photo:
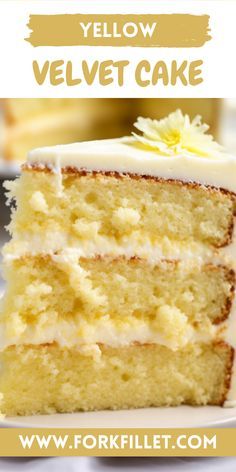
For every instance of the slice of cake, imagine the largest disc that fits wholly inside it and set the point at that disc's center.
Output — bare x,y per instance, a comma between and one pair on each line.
121,274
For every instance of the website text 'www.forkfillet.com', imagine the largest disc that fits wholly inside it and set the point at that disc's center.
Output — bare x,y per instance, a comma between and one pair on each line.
118,441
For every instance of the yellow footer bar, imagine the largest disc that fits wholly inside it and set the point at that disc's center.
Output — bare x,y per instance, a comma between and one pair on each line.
194,442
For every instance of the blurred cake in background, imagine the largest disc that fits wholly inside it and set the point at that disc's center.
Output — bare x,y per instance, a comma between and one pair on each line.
28,123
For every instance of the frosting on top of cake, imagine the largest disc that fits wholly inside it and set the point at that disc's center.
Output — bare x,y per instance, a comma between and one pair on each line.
124,155
172,148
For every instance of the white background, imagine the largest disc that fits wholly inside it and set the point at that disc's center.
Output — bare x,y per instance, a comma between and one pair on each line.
16,55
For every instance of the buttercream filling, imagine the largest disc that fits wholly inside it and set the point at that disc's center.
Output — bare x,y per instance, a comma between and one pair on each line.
110,333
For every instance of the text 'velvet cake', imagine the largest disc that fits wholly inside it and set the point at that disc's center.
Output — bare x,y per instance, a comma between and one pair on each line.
121,274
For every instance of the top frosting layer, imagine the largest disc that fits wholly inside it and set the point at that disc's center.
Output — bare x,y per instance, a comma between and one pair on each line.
127,155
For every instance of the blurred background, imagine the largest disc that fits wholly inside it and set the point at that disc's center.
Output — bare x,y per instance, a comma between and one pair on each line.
29,123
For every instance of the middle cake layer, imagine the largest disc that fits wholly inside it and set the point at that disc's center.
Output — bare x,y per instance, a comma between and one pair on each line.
113,301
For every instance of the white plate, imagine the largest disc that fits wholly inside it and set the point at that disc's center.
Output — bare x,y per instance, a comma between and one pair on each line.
180,417
9,169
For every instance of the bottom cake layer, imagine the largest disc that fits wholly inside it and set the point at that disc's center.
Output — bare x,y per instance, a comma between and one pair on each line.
48,379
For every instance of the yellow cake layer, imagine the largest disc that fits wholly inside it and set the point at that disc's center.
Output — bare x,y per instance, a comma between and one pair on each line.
113,301
49,379
110,214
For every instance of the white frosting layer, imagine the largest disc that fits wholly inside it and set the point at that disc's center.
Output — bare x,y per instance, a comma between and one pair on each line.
105,331
124,155
55,241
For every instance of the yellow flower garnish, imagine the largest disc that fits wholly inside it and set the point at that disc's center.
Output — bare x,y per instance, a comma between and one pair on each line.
175,134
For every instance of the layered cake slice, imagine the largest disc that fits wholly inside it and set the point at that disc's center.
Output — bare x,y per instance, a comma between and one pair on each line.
121,274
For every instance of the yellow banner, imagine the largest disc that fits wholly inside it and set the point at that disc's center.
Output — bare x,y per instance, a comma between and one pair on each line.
167,31
194,442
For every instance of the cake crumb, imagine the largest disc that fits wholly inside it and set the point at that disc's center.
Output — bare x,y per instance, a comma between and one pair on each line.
38,202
